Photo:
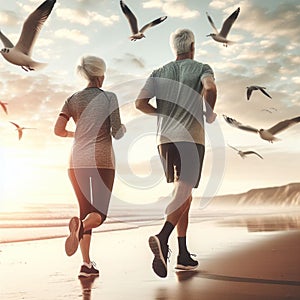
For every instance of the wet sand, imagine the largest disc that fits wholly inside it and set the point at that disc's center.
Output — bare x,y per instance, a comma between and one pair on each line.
239,259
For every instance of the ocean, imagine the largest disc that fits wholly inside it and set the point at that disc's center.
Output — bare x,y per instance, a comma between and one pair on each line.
51,220
48,221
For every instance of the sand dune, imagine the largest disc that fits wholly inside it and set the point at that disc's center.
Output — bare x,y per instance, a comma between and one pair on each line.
284,196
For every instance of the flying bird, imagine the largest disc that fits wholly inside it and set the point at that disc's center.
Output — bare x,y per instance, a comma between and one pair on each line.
20,129
243,154
221,36
267,110
252,88
20,54
265,134
136,33
3,105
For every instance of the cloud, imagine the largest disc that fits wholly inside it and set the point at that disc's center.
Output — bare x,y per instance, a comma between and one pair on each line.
8,18
296,79
129,60
217,4
34,102
281,22
172,8
73,35
84,17
85,2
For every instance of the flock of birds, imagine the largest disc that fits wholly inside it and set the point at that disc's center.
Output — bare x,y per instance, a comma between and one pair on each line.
20,54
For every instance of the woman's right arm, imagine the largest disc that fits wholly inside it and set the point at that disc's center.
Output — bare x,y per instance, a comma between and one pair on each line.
60,127
62,120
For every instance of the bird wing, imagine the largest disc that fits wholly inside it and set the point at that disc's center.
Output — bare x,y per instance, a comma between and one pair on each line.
20,134
212,23
6,42
233,148
262,89
153,23
239,125
283,125
249,92
3,105
32,26
253,152
130,17
15,124
228,23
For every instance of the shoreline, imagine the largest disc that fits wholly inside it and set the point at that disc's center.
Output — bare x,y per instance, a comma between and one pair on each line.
10,232
237,262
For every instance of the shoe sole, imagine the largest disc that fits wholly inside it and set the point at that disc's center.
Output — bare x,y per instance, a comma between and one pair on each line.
186,268
87,275
159,264
72,241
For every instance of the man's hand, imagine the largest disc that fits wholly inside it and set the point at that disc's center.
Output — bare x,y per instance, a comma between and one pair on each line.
211,118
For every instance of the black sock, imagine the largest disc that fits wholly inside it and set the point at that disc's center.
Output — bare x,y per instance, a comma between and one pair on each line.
165,232
182,245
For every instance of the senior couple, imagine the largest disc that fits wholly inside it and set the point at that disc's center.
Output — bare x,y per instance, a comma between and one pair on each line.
181,88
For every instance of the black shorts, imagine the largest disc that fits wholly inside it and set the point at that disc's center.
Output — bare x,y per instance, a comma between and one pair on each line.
93,189
182,161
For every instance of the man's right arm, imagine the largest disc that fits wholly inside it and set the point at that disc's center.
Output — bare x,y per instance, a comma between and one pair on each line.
144,106
146,93
210,97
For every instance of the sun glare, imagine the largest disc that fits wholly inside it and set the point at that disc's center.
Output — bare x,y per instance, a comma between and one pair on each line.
16,178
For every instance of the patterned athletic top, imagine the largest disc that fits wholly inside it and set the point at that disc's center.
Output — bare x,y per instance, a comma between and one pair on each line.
177,87
97,118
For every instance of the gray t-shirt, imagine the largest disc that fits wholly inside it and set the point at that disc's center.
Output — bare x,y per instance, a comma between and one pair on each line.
177,87
96,115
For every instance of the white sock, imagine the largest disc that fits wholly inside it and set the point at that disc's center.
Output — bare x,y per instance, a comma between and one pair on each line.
87,265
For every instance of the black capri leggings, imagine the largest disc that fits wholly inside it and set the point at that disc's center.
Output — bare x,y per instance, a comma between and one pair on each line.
93,187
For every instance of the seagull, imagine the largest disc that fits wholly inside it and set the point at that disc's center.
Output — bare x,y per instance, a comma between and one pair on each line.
252,88
3,105
267,110
244,153
265,134
270,109
136,33
20,54
221,36
20,129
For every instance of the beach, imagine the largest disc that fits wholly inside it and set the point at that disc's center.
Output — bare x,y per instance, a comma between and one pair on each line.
241,257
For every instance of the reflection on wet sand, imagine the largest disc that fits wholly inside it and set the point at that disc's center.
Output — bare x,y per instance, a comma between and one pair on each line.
264,223
186,275
87,285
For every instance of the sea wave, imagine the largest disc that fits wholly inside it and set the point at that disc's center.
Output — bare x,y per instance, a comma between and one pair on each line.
45,221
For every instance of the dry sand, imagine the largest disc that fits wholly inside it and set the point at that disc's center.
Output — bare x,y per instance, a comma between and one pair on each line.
238,260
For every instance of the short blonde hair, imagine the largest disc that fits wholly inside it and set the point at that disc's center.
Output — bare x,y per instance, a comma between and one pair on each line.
181,40
90,67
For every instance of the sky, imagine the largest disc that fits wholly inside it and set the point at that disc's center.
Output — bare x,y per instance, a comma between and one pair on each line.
265,52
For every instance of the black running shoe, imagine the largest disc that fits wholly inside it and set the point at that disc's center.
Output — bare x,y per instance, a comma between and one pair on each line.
72,240
160,251
185,262
85,271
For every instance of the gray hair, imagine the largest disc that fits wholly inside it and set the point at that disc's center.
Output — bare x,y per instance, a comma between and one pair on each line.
90,67
181,40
